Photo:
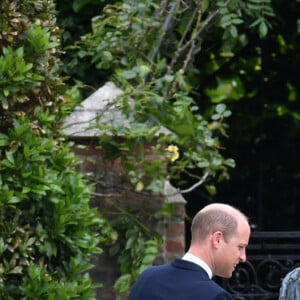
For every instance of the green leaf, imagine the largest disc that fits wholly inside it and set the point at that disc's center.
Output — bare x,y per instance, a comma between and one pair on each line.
14,200
203,164
263,29
16,270
233,31
230,163
123,283
10,157
25,190
148,259
184,129
6,92
220,108
211,189
31,241
4,140
204,5
130,74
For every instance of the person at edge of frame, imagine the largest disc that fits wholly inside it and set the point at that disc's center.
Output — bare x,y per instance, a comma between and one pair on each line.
219,237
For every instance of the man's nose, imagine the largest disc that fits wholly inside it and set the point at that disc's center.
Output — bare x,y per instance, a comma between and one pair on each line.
243,256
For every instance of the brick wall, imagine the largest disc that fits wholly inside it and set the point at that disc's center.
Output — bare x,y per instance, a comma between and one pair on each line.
106,269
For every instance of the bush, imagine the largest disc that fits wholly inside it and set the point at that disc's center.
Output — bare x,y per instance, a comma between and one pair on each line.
48,231
47,227
30,64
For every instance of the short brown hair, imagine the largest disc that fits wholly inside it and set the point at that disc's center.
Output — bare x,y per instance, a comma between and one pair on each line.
212,220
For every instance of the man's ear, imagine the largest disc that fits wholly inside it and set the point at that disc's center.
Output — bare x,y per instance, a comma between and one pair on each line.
217,237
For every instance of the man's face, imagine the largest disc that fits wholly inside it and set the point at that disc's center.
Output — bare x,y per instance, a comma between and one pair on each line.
231,252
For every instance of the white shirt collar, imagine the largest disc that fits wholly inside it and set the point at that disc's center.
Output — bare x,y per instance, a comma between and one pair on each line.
196,260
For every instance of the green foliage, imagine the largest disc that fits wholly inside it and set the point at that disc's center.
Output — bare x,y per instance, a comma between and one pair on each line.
233,15
48,229
161,53
137,246
41,285
29,59
16,75
265,10
150,49
142,256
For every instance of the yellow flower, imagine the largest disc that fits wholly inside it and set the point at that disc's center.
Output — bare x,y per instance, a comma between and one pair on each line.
139,186
173,152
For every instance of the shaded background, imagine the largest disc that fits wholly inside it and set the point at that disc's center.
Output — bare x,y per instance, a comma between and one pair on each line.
264,132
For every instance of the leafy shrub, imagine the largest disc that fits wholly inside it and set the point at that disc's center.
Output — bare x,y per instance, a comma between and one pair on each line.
48,230
30,63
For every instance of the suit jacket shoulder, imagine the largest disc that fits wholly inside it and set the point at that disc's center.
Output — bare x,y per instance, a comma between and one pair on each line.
180,280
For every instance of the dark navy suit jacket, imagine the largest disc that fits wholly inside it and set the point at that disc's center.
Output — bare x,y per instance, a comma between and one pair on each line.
180,280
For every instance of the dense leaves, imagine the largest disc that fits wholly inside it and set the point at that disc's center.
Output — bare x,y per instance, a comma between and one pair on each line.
149,50
29,59
48,230
46,224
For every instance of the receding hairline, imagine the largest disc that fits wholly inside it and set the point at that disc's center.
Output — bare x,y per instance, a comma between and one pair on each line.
234,217
223,207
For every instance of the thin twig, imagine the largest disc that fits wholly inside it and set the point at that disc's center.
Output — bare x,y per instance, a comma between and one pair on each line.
178,191
195,185
201,30
165,27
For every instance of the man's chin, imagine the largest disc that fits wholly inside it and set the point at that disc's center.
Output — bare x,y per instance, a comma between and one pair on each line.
225,275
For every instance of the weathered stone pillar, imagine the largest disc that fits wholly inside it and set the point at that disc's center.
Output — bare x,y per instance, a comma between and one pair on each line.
79,127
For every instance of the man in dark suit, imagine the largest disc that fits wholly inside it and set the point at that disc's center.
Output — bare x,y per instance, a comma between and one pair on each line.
220,234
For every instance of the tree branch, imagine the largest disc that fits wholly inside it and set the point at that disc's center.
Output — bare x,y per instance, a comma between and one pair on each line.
207,23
